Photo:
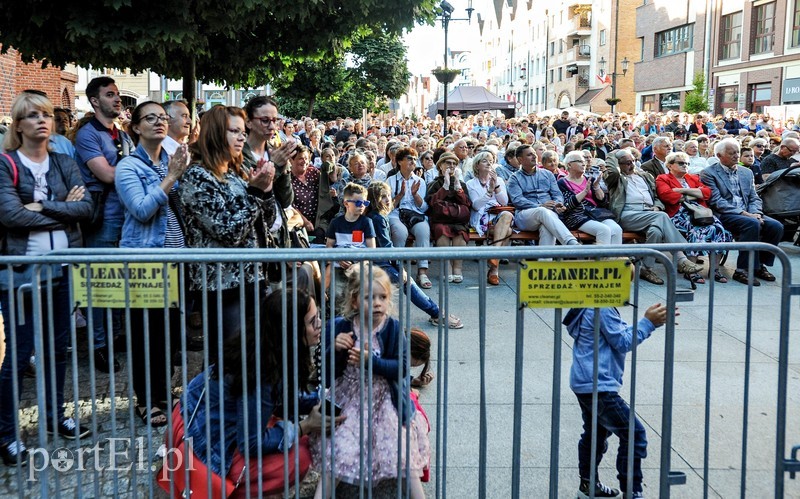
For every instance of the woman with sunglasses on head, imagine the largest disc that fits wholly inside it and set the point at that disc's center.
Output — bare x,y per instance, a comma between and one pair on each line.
147,183
43,198
679,185
225,205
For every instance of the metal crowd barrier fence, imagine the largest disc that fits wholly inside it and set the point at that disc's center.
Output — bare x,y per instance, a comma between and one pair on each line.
122,455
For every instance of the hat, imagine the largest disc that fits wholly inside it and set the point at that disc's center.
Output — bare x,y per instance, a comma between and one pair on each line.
448,156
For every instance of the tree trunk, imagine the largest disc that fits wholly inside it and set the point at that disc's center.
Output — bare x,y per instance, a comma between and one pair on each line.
190,87
310,106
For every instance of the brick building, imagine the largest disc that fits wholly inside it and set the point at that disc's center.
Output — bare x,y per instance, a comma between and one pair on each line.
16,76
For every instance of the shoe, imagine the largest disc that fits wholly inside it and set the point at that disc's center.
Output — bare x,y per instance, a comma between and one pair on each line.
493,279
101,362
764,274
424,281
741,276
687,267
504,261
695,278
452,323
719,277
70,430
635,495
13,453
650,276
458,278
451,278
600,490
155,417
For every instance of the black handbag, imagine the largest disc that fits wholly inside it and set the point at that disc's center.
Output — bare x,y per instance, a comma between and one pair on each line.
699,215
410,218
599,214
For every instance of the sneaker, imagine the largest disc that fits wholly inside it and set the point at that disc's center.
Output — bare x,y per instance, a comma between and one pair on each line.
70,430
600,490
101,362
635,495
13,453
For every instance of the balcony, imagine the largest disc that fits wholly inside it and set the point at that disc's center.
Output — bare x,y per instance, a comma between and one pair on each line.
580,53
583,81
579,25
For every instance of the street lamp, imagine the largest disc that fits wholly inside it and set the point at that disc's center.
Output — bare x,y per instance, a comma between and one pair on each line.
613,75
445,77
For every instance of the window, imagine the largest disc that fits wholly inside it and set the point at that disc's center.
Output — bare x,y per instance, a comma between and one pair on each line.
731,36
760,95
728,97
648,103
552,72
764,35
561,46
795,41
603,35
552,48
560,74
675,40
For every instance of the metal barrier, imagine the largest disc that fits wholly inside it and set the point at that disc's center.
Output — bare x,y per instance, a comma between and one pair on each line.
469,449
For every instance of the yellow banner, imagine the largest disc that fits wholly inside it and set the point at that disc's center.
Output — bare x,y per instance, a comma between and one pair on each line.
605,283
145,283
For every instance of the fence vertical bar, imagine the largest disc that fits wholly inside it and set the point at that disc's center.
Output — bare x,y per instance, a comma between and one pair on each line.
518,367
483,431
669,370
555,410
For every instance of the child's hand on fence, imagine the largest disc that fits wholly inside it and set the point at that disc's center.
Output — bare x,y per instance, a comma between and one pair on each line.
657,314
344,341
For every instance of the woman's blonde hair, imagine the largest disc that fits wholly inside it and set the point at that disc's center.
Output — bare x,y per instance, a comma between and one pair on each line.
353,293
22,105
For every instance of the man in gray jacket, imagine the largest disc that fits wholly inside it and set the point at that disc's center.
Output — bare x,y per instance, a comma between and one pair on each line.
535,194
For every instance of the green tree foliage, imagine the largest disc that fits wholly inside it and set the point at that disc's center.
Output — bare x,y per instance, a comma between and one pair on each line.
246,43
375,69
697,99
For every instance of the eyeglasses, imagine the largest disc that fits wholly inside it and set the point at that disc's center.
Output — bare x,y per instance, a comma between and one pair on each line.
578,161
359,203
680,163
760,146
267,121
625,162
450,163
411,158
237,132
152,119
37,116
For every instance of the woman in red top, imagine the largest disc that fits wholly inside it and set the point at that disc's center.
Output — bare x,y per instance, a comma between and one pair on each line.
675,187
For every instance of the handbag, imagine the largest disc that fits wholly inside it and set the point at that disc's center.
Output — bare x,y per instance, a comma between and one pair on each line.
699,215
449,212
410,218
599,214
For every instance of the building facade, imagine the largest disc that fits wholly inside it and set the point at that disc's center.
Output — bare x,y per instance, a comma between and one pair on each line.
16,76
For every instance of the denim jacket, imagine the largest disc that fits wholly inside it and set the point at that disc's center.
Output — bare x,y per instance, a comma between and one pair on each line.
144,201
388,364
227,421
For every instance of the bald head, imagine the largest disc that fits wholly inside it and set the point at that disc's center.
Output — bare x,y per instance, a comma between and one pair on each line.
789,147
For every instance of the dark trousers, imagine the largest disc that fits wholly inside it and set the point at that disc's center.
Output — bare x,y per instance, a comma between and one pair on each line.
613,417
23,344
158,378
748,229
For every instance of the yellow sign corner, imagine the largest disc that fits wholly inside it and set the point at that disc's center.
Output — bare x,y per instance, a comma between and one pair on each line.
580,283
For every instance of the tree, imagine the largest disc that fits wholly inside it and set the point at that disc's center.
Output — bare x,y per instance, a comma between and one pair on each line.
697,99
245,43
375,69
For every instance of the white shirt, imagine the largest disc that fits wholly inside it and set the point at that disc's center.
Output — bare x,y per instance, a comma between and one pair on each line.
41,242
170,145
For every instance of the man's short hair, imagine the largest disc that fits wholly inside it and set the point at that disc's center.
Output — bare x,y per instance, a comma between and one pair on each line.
173,103
725,143
93,88
256,102
521,150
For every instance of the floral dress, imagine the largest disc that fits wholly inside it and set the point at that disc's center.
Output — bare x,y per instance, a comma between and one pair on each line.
380,436
714,233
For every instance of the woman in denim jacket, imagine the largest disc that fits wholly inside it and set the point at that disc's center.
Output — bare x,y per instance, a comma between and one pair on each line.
228,396
147,184
43,198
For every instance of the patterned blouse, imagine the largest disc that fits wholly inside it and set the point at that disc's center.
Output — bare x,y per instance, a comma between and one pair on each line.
222,214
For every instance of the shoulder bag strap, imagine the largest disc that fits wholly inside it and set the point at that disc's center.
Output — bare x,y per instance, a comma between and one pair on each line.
14,171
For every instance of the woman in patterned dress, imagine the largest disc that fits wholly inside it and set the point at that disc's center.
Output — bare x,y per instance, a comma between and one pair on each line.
673,188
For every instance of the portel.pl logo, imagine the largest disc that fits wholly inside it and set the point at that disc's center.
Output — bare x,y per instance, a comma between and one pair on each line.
112,454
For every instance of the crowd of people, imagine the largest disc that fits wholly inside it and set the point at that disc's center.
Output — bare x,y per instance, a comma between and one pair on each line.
251,178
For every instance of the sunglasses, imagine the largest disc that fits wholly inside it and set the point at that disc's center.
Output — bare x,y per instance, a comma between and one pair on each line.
680,163
359,203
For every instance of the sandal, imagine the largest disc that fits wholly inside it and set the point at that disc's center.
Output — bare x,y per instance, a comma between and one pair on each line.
719,277
155,418
695,278
453,322
458,278
424,281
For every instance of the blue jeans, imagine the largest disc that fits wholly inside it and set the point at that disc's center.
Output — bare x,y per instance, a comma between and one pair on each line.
748,229
23,344
418,297
613,416
107,237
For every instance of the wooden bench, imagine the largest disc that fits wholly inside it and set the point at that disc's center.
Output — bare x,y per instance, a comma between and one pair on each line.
533,235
